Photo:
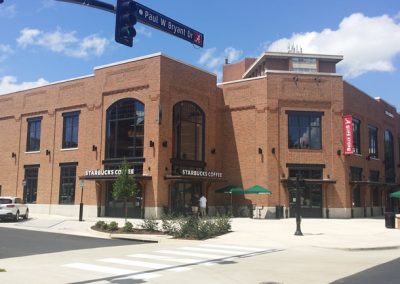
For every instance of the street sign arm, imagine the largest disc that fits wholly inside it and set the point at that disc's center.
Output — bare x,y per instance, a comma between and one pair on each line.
94,4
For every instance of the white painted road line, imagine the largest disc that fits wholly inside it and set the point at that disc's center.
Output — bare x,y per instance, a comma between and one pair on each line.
144,264
136,263
201,255
99,268
252,249
164,258
206,250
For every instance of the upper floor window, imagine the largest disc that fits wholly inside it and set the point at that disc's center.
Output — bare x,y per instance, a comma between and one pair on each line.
125,129
188,131
356,136
373,141
389,157
70,129
33,137
304,130
304,65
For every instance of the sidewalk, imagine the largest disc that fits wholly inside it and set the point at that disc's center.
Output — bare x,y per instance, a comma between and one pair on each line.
347,234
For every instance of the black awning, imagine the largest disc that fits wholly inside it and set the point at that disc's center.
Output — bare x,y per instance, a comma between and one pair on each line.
377,183
314,181
112,177
193,178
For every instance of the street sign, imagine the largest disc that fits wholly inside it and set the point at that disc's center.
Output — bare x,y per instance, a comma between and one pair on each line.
163,23
150,18
82,182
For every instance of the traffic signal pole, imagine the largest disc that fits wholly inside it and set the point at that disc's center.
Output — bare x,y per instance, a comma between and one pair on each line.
93,3
128,12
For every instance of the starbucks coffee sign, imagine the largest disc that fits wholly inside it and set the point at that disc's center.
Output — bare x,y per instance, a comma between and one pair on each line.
117,172
196,173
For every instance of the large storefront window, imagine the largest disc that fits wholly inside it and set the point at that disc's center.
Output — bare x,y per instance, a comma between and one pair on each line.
125,129
115,207
188,132
374,177
67,183
356,175
304,130
311,195
31,184
184,195
389,157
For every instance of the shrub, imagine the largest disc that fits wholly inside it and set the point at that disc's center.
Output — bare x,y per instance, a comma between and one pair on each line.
199,228
113,226
149,225
99,224
168,224
104,226
128,227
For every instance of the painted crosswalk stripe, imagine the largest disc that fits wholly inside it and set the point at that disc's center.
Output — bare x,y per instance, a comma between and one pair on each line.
135,263
201,255
164,258
99,268
144,264
252,249
206,250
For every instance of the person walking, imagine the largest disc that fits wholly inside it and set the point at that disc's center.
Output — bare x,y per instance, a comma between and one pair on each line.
203,205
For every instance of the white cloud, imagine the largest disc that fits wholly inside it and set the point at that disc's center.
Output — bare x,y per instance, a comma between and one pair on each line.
5,50
8,11
214,61
367,43
63,42
9,84
141,30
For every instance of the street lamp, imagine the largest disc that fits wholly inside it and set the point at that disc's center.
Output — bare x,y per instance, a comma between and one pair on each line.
299,184
82,184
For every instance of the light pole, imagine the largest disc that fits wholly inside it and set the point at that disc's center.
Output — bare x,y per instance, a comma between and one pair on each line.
298,205
82,183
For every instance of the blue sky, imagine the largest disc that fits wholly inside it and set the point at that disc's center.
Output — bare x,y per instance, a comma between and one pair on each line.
46,41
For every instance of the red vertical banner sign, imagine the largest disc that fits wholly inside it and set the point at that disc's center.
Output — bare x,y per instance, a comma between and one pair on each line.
348,134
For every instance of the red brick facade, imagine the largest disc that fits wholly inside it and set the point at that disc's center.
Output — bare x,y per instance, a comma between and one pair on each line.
246,134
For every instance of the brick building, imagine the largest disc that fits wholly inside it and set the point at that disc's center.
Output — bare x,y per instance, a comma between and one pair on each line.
271,119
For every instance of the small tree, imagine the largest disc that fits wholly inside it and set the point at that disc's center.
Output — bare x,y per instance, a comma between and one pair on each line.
124,187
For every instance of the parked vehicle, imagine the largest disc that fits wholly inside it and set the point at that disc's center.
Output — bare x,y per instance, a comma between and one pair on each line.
13,208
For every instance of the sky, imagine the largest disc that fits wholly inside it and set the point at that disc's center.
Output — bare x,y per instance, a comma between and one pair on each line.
45,41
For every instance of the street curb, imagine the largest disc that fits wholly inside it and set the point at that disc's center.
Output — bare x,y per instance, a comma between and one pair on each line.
362,248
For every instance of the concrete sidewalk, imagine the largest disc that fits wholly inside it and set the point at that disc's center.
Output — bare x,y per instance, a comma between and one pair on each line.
348,234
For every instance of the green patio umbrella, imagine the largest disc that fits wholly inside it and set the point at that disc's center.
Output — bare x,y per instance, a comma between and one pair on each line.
231,189
257,189
395,194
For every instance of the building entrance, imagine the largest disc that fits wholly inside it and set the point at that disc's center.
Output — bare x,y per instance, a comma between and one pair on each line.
115,208
311,195
183,196
311,201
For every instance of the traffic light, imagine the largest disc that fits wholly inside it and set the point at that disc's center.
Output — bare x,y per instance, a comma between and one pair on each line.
125,19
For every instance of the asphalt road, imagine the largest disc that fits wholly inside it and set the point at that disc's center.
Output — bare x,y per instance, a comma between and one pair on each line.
17,242
387,273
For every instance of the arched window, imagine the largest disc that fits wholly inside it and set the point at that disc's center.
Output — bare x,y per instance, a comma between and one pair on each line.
125,129
188,131
389,157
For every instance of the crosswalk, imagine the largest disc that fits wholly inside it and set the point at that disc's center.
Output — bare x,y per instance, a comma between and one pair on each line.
151,265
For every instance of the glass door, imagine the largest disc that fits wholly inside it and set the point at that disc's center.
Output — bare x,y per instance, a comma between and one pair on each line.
183,195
